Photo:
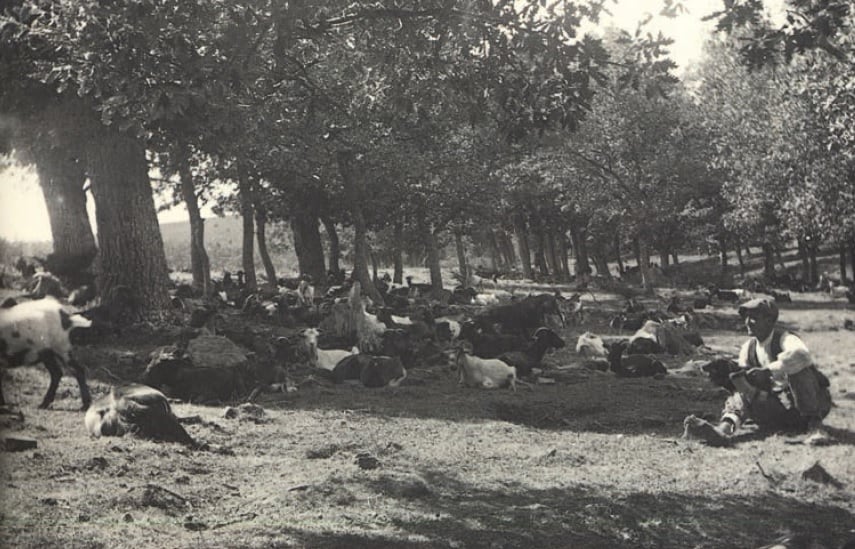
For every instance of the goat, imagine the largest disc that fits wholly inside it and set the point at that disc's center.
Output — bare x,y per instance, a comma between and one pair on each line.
719,371
453,326
306,293
323,358
417,290
487,373
645,340
525,361
39,331
136,409
490,345
589,344
524,316
633,365
371,371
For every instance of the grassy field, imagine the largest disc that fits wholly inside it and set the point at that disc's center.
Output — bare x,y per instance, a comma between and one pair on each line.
590,461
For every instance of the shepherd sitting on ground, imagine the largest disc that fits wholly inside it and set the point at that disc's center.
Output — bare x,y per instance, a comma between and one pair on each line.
777,385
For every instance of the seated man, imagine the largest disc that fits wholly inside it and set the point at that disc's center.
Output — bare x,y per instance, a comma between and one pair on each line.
778,386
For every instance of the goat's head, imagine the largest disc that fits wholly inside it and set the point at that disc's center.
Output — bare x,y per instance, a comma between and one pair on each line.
548,338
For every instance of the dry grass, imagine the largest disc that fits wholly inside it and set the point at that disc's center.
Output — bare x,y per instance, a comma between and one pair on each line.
592,461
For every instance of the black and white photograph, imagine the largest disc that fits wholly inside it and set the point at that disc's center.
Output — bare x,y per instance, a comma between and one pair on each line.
427,274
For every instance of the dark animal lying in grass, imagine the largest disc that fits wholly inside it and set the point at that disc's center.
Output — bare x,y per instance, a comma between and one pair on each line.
524,361
136,409
633,365
489,345
719,371
371,371
521,317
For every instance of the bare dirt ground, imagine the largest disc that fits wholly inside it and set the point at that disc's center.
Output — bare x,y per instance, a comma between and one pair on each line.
591,461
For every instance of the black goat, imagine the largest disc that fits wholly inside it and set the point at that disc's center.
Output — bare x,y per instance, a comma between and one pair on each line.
719,371
524,361
490,345
522,317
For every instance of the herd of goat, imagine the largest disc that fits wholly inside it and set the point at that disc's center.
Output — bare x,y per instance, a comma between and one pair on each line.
493,339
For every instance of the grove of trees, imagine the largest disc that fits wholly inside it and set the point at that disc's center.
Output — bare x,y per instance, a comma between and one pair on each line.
426,123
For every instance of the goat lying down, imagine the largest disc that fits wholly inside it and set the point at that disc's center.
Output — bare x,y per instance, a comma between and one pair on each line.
136,409
325,359
484,373
38,331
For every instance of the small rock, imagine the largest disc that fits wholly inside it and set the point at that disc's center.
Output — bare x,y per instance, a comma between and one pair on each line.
230,413
322,452
367,461
128,517
19,444
96,463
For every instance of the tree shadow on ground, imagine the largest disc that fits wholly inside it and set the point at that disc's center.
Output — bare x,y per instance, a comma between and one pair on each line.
448,512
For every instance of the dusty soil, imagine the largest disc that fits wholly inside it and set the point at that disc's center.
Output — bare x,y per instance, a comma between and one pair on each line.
590,461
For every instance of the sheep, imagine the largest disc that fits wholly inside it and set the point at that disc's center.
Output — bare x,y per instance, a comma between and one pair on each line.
590,344
38,331
136,409
524,361
488,373
325,359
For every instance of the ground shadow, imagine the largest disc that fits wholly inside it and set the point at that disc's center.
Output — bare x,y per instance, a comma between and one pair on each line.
448,512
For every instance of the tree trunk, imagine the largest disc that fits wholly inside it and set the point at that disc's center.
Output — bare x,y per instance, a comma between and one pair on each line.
129,241
644,264
663,259
722,250
739,257
398,275
335,245
552,255
353,195
768,260
261,238
814,267
308,246
433,263
246,211
636,249
842,264
539,245
565,257
495,258
508,250
617,253
852,256
522,241
578,236
780,258
675,258
61,179
461,258
200,264
803,256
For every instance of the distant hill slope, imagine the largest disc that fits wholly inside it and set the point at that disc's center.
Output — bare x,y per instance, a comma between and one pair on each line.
223,238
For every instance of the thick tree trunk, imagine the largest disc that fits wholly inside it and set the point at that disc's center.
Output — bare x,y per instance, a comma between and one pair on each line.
842,264
261,238
129,241
664,257
552,255
675,258
539,248
738,248
507,249
780,258
618,252
495,258
61,178
852,256
247,214
398,252
522,241
722,250
353,194
636,249
461,258
335,245
200,264
308,246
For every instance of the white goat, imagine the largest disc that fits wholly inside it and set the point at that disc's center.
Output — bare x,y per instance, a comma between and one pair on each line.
590,344
485,373
453,325
326,359
306,293
38,331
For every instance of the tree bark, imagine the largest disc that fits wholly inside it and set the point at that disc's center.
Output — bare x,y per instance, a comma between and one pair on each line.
739,257
814,267
61,178
308,245
803,256
461,258
248,247
768,260
675,258
495,257
507,249
522,241
842,264
636,249
130,245
722,250
552,255
261,238
353,194
852,256
617,253
200,264
335,245
644,265
539,245
565,257
578,235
